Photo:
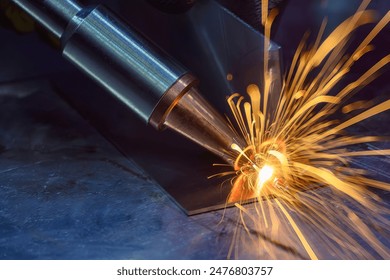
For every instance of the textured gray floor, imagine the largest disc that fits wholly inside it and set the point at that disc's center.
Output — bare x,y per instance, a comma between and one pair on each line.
67,193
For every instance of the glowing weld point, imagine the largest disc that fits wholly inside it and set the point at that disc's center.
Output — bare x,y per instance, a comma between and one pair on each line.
264,175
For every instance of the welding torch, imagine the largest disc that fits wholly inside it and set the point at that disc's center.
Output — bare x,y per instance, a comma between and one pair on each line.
160,90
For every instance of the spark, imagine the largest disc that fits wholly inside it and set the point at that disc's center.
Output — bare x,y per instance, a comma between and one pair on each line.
297,162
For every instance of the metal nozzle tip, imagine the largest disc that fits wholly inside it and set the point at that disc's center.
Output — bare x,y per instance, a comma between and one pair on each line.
197,120
185,111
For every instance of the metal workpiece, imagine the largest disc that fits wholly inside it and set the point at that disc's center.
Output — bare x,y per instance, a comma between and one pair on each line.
172,6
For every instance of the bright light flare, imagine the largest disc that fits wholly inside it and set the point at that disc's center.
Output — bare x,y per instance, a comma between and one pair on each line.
265,174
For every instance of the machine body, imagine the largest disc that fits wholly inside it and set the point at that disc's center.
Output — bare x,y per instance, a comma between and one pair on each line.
142,76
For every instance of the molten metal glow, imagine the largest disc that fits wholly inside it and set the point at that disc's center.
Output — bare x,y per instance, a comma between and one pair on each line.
297,162
265,174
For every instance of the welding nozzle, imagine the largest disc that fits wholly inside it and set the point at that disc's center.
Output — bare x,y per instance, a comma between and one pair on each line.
142,76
